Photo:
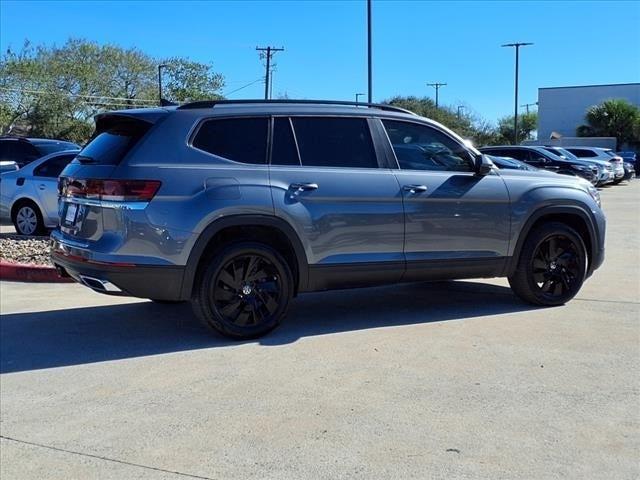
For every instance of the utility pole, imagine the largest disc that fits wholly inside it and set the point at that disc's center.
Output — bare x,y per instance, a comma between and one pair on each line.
515,114
460,107
269,53
527,105
358,95
369,65
437,87
160,67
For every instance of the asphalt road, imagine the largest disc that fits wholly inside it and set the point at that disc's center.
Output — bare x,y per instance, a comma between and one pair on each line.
442,381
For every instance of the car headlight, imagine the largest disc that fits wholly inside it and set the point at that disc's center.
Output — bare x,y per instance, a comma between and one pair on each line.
582,168
595,194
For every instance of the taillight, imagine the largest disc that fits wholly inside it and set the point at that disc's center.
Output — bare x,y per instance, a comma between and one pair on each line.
109,190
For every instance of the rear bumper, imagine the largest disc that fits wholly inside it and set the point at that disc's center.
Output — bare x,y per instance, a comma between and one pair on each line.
156,282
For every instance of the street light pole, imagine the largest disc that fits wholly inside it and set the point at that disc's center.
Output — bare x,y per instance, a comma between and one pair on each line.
369,66
160,67
515,114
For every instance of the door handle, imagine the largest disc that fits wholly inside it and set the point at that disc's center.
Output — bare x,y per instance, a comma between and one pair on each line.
304,187
42,186
415,188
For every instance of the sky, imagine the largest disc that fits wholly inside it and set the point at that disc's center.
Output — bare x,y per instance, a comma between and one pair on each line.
414,43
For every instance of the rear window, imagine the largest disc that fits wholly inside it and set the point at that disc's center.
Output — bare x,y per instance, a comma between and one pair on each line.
242,140
45,148
110,146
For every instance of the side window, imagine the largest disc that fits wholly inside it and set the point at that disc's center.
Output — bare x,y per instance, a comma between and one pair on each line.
239,139
518,154
284,151
24,152
53,167
335,142
420,147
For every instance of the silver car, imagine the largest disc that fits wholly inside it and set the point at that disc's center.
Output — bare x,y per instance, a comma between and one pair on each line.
29,196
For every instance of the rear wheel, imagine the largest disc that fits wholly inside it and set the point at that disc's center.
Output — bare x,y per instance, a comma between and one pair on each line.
551,267
244,291
27,219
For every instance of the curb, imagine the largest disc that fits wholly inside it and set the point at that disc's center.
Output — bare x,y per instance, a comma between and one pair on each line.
20,272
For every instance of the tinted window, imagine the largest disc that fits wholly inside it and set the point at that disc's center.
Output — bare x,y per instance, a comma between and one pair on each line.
518,154
284,150
53,167
45,148
583,153
110,147
239,139
420,147
18,151
335,142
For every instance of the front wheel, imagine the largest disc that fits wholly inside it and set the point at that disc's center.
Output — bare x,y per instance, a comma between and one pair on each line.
552,266
244,291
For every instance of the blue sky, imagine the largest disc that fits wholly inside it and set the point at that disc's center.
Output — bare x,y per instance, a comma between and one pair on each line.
414,43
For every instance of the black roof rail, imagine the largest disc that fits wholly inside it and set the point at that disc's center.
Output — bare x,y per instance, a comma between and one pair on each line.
213,103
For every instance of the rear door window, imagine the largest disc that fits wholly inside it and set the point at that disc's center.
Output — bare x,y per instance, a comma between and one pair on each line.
242,140
53,167
285,150
334,142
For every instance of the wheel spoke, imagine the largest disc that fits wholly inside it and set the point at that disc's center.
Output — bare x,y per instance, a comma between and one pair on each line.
230,309
226,278
539,265
252,265
222,295
243,317
557,287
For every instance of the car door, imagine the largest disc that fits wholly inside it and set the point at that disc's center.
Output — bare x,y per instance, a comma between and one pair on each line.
45,179
328,182
456,222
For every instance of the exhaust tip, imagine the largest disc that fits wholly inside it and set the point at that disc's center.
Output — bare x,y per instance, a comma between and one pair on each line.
99,285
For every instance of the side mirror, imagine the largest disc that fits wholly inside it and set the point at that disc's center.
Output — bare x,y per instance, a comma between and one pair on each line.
483,165
542,160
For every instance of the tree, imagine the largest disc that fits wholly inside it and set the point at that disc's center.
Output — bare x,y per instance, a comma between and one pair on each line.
527,124
612,118
54,91
190,81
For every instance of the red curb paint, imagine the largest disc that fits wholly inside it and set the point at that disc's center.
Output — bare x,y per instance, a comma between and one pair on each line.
21,272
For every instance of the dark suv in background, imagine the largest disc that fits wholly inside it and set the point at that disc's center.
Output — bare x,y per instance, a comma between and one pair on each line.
542,158
25,150
237,206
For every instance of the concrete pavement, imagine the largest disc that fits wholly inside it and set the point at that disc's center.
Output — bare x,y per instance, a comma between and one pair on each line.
448,380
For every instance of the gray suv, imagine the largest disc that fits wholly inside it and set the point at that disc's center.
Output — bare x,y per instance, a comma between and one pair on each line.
238,206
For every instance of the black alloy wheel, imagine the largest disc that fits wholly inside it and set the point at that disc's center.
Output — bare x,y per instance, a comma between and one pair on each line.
244,292
552,265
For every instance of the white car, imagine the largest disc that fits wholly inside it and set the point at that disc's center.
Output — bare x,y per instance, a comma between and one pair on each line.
29,196
8,166
596,153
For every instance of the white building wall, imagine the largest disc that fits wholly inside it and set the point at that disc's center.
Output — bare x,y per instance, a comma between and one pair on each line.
562,109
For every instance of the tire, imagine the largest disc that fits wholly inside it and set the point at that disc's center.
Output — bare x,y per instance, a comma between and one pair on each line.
27,219
243,291
166,302
552,265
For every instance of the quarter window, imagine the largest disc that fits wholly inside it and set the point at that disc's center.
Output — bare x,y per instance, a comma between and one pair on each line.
239,139
420,147
334,142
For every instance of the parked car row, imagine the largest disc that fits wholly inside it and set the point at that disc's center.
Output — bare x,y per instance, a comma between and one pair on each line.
600,166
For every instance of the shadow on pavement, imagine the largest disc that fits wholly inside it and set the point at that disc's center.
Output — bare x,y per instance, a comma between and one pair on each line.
31,341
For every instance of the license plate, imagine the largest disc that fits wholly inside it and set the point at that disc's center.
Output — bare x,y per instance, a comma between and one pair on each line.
72,211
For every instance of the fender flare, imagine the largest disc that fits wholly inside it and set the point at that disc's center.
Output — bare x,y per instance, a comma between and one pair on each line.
570,209
244,220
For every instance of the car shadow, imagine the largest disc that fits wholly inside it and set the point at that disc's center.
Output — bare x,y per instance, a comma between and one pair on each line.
37,340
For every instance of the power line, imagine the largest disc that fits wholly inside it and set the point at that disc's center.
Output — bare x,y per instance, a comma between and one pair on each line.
267,74
244,86
78,95
437,87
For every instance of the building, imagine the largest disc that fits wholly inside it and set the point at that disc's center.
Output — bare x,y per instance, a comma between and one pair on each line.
562,109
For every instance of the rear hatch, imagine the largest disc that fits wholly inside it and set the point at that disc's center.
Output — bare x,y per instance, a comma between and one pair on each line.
87,186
